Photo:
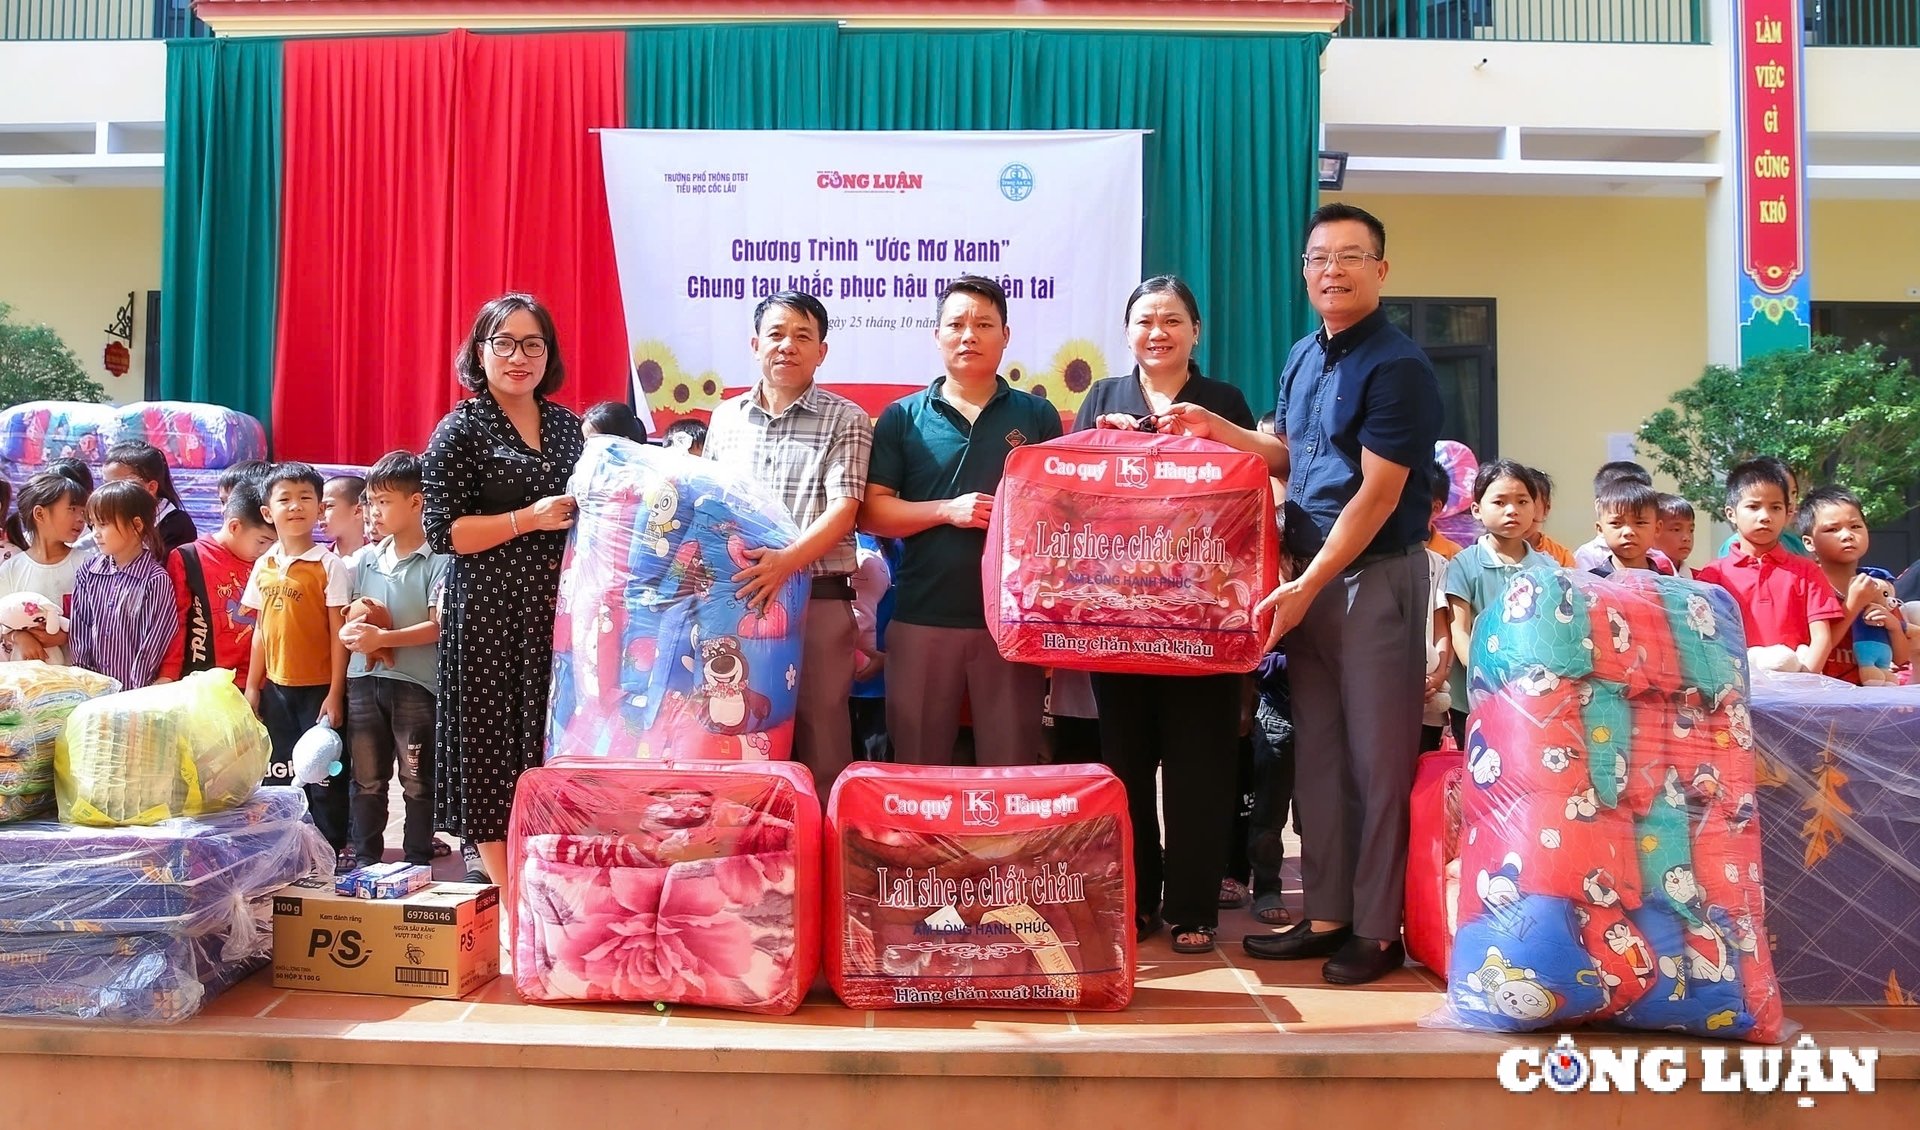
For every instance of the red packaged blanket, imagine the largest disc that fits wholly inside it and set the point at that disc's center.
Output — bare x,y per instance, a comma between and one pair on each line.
688,883
1128,551
980,888
1433,856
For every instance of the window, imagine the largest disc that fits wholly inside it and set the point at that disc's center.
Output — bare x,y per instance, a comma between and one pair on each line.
1458,337
1895,327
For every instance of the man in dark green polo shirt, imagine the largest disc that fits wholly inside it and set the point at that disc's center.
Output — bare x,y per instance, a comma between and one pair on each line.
937,459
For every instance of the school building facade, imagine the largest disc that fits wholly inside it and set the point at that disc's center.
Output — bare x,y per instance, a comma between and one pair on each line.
1562,180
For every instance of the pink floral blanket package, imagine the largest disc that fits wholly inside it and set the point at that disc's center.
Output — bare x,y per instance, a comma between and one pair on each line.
687,883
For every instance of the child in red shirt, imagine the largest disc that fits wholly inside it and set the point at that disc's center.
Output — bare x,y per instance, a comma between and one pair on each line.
1873,638
209,575
1784,598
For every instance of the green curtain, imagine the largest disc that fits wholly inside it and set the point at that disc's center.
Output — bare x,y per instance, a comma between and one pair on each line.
929,80
736,76
1230,169
220,257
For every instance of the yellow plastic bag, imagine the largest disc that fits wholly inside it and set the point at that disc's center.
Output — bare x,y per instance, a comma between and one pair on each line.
143,756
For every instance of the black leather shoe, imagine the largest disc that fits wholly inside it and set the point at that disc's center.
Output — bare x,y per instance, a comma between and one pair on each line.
1300,941
1362,960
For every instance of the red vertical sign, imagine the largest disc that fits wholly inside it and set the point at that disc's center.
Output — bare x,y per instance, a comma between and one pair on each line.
1772,180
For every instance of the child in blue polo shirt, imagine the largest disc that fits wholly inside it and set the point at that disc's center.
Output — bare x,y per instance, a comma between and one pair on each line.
391,680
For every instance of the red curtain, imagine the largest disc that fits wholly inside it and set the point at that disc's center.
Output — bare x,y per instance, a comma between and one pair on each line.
423,176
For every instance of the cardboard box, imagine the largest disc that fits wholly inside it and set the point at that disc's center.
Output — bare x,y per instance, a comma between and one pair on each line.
443,941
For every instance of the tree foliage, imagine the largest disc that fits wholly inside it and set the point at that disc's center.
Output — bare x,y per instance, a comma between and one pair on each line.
1841,416
36,365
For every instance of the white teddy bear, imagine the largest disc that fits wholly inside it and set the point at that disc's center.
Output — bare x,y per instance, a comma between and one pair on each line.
36,617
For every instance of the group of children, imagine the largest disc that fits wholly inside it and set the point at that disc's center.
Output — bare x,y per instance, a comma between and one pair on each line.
317,623
1805,600
149,600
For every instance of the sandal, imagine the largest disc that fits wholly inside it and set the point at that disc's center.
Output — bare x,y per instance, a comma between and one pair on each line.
1271,909
1145,926
1204,933
441,848
1233,894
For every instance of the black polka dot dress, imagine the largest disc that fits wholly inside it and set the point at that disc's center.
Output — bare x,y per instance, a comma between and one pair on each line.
496,622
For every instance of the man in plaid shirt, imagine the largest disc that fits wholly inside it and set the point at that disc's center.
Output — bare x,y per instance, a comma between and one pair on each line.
809,448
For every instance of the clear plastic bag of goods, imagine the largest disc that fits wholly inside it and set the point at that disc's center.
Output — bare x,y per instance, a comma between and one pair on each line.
193,436
35,700
1840,826
178,749
689,883
41,431
144,924
157,977
1128,551
188,870
655,655
951,887
1610,852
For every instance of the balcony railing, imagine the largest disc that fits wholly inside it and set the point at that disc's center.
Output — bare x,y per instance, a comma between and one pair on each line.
99,19
1863,23
1540,21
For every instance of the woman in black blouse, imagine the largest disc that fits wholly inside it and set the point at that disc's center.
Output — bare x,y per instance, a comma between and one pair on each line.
496,476
1190,724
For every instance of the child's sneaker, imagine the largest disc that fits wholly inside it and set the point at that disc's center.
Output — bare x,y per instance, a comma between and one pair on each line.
476,870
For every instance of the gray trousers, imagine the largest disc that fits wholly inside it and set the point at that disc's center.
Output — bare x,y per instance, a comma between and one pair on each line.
931,670
822,728
1358,665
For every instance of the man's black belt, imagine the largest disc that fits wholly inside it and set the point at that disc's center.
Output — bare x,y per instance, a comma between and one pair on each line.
836,587
1300,562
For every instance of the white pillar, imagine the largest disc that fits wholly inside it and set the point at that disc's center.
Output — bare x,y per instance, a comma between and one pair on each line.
1723,200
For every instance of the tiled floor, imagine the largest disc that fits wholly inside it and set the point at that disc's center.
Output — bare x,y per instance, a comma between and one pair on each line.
1223,993
1208,1039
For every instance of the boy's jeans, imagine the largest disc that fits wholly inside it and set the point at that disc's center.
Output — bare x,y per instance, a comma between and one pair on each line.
389,722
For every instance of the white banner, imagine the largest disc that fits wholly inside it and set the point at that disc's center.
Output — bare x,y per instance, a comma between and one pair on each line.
706,223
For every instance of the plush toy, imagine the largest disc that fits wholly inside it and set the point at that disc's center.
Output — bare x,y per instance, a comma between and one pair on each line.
1871,647
318,754
374,614
28,612
1778,658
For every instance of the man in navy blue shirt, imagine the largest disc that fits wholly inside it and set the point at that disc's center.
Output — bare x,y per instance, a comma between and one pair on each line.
1358,411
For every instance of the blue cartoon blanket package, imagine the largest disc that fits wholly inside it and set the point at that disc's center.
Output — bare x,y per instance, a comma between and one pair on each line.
190,435
1610,858
654,653
146,924
199,441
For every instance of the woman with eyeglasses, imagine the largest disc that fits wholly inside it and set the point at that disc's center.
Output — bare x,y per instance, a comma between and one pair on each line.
496,475
1184,727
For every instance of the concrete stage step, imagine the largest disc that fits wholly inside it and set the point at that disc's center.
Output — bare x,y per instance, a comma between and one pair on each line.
1215,1041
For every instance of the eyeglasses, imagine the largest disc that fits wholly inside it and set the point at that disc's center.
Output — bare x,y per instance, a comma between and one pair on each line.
530,346
1346,260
